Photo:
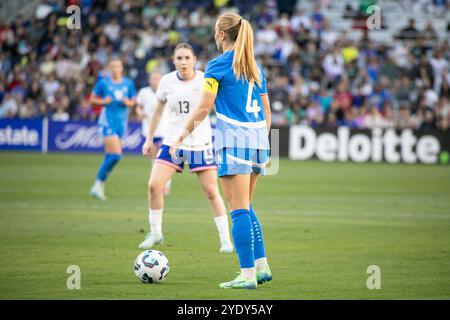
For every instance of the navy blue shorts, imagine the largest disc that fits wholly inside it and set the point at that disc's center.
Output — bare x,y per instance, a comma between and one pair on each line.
157,140
197,160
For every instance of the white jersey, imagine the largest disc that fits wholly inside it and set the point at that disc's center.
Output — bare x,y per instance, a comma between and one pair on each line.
146,97
182,97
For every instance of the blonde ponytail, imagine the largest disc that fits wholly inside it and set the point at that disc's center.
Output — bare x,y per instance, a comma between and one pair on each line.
240,31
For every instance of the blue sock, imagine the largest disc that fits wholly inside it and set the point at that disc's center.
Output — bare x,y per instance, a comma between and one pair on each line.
260,251
107,165
242,233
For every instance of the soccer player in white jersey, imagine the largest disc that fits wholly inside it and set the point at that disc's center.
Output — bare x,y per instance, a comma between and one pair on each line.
179,91
145,107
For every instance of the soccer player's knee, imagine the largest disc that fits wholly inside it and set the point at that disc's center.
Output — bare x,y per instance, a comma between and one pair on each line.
154,188
210,192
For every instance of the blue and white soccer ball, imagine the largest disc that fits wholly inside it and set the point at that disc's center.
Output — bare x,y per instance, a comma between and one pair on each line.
151,266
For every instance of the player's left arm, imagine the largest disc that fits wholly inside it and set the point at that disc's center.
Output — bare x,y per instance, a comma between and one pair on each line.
265,100
267,112
130,101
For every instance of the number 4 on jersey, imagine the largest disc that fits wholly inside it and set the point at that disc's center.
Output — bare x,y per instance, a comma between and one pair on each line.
254,107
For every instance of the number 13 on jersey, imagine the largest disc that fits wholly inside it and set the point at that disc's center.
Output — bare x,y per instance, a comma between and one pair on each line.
184,106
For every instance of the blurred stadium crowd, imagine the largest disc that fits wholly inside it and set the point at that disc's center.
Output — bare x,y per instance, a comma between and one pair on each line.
317,75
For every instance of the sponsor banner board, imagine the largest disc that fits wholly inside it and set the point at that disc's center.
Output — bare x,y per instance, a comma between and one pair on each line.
24,135
377,145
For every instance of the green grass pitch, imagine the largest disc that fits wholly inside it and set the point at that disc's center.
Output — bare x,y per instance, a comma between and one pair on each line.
324,224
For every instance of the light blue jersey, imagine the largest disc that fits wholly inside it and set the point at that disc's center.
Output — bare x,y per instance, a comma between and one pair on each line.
114,116
241,121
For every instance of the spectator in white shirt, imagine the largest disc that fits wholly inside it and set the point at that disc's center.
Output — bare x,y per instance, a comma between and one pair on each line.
50,86
9,106
333,65
328,36
265,40
374,119
439,64
112,30
61,113
300,20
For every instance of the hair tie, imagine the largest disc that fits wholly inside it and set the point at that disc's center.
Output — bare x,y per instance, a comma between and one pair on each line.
240,21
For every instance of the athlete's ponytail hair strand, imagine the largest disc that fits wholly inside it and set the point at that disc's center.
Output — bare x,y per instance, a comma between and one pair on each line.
240,31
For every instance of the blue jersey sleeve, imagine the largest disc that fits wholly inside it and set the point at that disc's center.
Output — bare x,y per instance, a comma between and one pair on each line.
263,89
214,70
99,89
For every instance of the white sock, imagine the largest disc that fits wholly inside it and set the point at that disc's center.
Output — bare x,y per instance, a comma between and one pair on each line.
249,273
155,220
261,264
223,229
99,184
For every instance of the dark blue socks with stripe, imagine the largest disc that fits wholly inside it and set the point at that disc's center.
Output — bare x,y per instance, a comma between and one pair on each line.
110,160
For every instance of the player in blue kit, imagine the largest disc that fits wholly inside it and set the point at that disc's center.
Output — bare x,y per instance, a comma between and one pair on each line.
116,94
237,86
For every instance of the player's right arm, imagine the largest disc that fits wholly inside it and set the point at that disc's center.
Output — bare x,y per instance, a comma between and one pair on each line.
155,119
100,100
139,107
97,95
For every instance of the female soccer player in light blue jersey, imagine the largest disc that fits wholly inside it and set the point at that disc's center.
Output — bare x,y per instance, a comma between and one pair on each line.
237,86
117,94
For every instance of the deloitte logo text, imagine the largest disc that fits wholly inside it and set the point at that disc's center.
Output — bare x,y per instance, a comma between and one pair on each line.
363,146
18,137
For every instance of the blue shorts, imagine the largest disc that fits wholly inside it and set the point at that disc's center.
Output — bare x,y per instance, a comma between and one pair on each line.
157,140
197,160
231,161
112,131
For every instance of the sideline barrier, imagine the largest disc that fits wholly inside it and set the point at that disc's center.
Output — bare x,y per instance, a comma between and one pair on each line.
296,142
53,136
